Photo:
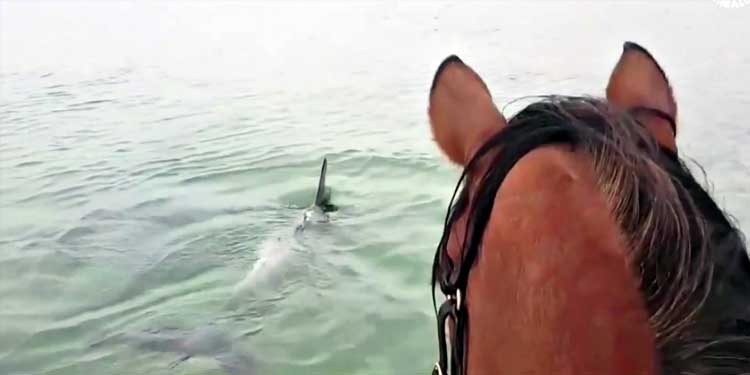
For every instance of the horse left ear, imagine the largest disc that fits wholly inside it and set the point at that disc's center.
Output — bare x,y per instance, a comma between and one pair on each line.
462,114
639,84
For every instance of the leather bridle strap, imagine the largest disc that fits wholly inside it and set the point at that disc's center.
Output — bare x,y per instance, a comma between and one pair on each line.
448,319
656,113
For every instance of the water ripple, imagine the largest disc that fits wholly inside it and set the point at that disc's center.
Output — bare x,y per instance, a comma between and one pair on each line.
136,197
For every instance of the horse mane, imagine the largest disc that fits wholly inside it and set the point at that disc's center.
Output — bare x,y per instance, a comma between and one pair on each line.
691,259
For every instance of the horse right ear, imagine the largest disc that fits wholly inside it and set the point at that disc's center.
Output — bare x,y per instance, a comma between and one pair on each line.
462,114
639,84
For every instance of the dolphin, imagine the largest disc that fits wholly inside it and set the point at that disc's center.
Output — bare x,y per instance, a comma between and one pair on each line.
206,341
275,253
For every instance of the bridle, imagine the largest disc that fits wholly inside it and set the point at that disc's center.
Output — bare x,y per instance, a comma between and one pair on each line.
515,141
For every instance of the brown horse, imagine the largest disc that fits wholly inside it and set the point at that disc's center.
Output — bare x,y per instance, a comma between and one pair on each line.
579,242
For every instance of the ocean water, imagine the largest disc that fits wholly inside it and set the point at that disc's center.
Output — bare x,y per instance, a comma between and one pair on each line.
152,155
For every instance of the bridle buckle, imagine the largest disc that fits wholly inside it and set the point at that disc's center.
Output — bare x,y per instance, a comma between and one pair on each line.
437,370
457,299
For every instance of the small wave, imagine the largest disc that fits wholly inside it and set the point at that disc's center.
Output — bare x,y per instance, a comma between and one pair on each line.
95,164
216,175
151,203
91,102
74,109
253,132
28,164
100,176
103,214
182,116
205,159
58,195
104,82
246,96
157,162
75,234
59,93
167,173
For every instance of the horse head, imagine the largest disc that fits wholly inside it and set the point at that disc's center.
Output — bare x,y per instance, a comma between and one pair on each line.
578,242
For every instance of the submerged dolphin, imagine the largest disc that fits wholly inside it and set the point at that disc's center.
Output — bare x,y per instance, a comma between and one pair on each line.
206,341
269,270
274,254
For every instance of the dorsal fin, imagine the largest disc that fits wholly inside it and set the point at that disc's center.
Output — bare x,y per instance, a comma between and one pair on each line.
321,196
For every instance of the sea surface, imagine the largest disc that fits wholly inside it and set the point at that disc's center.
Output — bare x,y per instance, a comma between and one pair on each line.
156,157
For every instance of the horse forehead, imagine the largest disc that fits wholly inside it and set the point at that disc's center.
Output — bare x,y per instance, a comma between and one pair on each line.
550,165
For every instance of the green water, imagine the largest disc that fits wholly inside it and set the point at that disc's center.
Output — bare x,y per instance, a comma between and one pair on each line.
151,155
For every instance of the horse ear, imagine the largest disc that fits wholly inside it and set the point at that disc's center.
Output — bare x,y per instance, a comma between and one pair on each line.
638,83
462,114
